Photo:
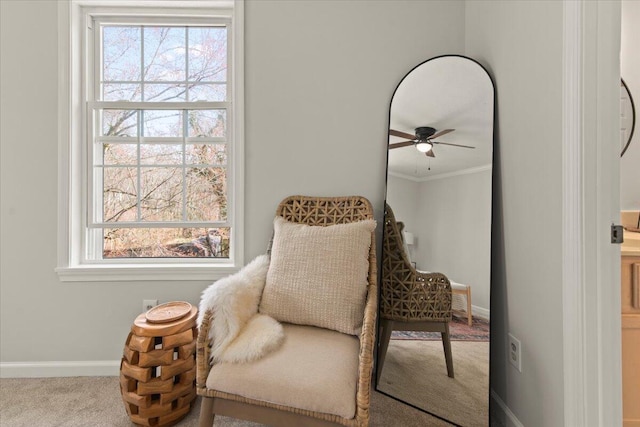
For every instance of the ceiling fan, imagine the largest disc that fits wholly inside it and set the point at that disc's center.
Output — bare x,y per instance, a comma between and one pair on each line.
423,140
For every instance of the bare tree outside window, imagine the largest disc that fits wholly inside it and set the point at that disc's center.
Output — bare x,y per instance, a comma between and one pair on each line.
162,166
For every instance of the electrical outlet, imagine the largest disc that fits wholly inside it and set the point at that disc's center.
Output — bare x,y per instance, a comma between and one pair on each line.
515,352
148,304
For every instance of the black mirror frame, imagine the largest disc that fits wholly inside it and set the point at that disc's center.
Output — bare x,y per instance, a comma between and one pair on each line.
493,183
633,117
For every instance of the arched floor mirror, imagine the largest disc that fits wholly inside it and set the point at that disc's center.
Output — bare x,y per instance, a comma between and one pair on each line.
434,319
627,117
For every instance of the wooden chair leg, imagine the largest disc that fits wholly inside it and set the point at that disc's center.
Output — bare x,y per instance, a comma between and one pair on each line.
446,343
386,327
206,412
469,315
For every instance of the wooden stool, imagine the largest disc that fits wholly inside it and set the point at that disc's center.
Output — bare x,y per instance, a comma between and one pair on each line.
158,370
462,290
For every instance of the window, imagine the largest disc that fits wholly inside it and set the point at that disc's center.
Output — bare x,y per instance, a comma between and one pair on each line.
156,142
159,112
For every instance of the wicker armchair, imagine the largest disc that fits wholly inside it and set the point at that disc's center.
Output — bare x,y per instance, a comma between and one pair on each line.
318,212
410,300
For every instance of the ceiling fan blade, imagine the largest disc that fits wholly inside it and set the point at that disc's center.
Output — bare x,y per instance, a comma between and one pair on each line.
454,145
401,144
442,132
401,134
430,153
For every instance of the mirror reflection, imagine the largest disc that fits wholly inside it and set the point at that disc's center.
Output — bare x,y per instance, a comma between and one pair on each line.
433,350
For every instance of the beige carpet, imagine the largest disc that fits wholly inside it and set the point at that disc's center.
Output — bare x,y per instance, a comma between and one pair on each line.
415,371
95,402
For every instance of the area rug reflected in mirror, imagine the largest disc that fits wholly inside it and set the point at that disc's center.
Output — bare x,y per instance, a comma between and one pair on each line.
415,372
458,329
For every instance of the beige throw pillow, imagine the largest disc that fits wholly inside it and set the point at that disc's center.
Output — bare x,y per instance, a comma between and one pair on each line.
318,275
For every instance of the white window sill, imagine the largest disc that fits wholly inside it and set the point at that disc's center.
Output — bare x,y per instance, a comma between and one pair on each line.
144,272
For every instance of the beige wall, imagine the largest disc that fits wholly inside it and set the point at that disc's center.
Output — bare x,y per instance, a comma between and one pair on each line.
320,76
521,45
454,236
401,196
319,80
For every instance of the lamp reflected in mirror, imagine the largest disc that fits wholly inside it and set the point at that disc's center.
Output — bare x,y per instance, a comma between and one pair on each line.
434,310
409,238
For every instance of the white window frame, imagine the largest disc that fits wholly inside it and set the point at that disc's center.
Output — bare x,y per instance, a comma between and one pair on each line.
75,140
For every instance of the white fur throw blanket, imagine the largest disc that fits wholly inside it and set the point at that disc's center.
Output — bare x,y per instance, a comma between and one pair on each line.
238,332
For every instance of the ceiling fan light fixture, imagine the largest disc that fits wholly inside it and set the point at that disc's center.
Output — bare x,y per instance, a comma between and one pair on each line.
424,147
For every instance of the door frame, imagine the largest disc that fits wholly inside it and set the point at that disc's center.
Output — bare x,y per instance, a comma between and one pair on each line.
591,203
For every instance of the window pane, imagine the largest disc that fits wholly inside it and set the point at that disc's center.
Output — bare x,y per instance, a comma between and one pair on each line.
206,154
165,177
121,49
119,123
159,92
158,123
161,194
206,194
208,54
160,154
120,92
208,92
166,242
207,123
120,154
119,194
164,53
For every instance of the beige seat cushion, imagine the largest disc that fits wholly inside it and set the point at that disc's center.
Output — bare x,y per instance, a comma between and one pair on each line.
318,275
315,369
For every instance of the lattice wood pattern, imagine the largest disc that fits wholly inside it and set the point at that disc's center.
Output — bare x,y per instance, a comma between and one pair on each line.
317,211
407,294
324,210
158,371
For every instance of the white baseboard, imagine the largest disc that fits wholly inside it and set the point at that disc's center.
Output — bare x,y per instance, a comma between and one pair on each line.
480,312
506,417
80,368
